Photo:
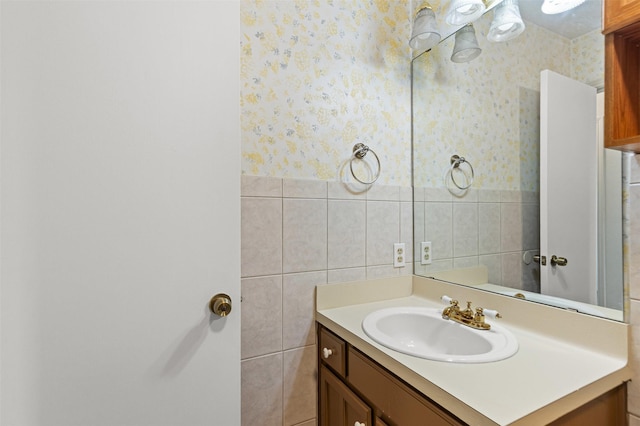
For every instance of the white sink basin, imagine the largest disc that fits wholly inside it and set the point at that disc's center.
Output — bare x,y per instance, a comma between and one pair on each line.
423,333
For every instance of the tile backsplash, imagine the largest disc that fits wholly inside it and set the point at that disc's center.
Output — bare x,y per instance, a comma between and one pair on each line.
297,234
632,276
484,227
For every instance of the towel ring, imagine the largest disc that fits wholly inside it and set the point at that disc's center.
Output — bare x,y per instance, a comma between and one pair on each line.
359,152
456,161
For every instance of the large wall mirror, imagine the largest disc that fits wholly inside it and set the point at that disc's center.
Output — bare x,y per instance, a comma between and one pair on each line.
535,209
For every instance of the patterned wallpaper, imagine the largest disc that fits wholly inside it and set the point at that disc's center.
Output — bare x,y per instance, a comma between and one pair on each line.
487,110
587,58
318,77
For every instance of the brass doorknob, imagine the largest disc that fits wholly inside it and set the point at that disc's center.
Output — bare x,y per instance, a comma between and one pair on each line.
560,261
540,259
220,304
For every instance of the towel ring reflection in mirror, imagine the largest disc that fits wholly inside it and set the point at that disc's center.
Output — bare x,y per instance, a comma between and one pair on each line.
360,150
456,162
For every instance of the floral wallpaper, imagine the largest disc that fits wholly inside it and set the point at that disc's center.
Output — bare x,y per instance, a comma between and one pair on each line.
587,58
487,110
478,109
318,77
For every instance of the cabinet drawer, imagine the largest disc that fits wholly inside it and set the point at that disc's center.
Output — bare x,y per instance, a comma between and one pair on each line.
399,404
331,350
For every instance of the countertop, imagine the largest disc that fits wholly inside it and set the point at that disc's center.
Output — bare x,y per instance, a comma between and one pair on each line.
564,360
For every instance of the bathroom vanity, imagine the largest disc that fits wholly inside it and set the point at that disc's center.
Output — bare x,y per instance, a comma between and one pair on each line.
343,392
569,368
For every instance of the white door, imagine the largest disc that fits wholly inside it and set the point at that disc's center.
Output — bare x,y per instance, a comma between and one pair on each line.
568,187
120,213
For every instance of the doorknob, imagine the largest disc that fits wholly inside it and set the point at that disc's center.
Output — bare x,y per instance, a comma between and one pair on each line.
220,304
560,261
540,259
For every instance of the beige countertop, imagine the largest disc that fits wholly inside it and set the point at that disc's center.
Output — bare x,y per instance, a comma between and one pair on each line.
564,359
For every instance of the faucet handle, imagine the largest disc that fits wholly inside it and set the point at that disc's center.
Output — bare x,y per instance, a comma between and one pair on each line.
491,313
450,301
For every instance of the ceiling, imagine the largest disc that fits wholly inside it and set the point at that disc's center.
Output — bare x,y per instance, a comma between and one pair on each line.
571,24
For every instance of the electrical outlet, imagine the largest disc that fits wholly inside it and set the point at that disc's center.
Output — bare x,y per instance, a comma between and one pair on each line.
425,253
398,255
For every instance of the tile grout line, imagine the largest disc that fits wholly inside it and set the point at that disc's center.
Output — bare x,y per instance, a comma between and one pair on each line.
282,372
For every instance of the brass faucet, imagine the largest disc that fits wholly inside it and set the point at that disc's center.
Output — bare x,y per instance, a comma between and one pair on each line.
467,316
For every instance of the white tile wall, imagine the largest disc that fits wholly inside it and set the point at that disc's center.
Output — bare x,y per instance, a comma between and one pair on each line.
261,235
633,278
297,234
383,229
261,315
465,229
304,235
300,385
347,233
262,390
278,336
298,306
483,227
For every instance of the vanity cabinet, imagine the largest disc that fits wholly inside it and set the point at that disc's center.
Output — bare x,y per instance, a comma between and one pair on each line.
340,405
364,393
354,390
622,74
607,409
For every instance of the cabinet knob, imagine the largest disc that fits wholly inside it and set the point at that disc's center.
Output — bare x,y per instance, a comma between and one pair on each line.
326,353
359,424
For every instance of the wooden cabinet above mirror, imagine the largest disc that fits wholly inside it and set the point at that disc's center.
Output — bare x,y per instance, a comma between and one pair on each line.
619,14
622,75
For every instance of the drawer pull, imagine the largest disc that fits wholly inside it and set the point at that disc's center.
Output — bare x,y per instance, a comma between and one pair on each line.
326,353
359,424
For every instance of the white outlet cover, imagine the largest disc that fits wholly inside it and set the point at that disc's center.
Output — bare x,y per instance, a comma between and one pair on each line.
399,255
426,253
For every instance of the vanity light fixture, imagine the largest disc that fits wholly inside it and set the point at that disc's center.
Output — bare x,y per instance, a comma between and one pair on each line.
462,12
425,33
466,46
551,7
507,23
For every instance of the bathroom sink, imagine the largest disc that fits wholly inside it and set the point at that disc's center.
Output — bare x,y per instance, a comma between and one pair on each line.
422,332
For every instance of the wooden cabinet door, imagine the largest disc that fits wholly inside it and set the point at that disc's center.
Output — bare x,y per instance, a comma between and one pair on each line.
380,422
339,406
607,409
619,14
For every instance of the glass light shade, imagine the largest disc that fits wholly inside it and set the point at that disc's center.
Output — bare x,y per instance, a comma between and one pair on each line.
507,23
462,12
551,7
466,46
425,33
